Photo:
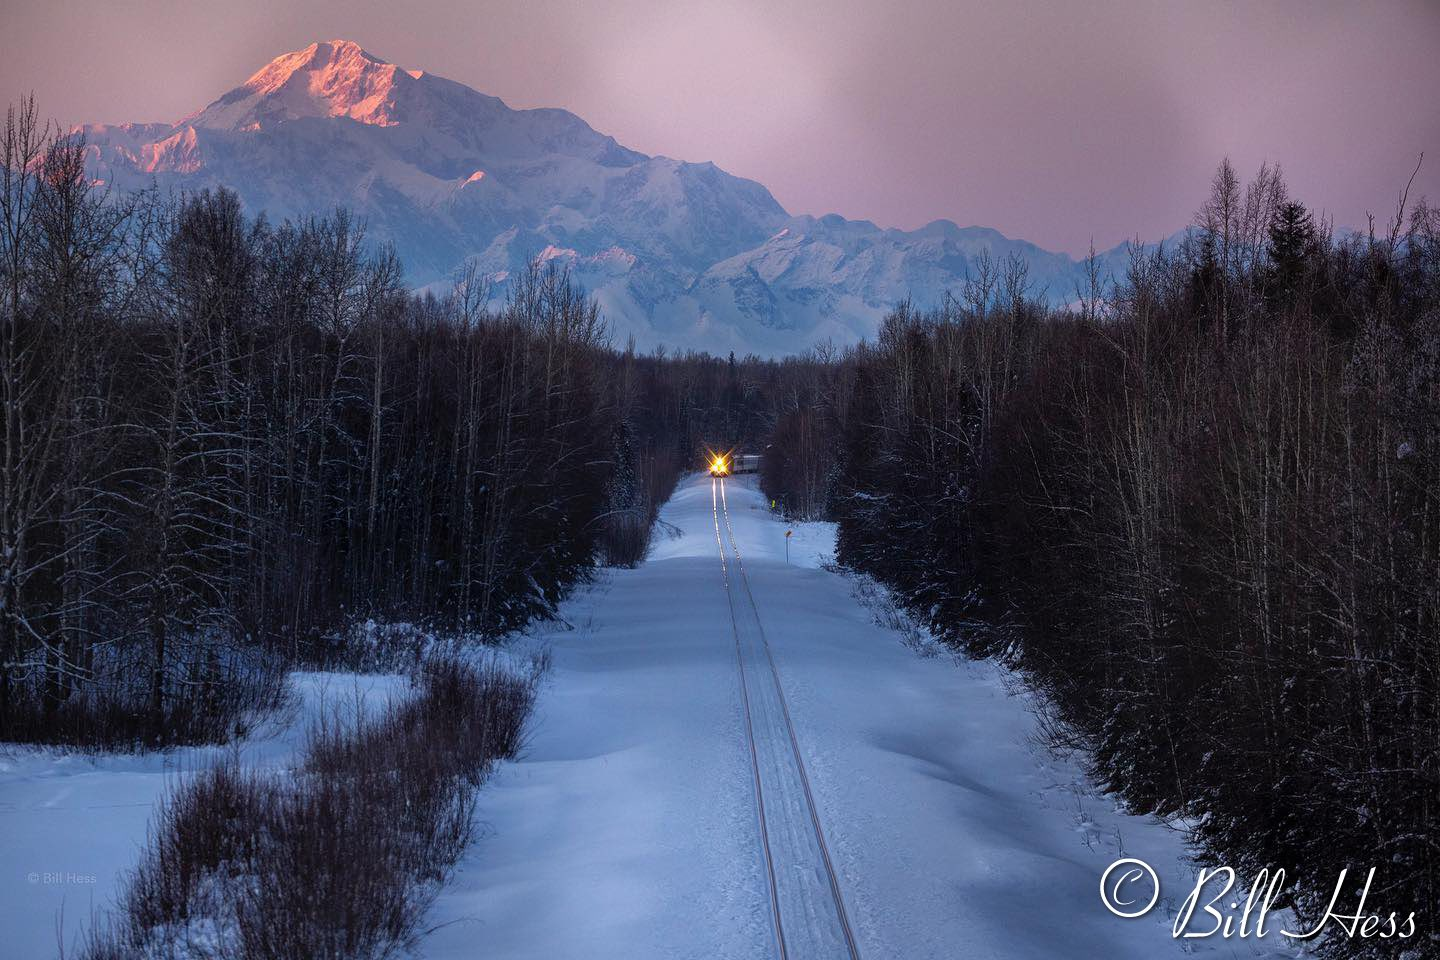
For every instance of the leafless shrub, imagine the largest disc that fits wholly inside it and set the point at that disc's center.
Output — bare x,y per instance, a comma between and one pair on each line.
887,612
340,859
625,539
219,694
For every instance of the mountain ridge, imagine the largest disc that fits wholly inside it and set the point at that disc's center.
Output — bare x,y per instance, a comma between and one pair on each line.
678,254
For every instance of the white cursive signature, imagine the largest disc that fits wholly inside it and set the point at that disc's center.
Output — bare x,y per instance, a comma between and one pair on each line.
1131,888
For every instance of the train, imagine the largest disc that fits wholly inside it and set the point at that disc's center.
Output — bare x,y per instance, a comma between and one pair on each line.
725,464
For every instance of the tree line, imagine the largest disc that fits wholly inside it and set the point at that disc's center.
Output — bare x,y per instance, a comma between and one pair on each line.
1200,509
228,442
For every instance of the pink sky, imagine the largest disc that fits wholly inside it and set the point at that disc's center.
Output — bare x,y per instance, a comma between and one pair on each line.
1053,121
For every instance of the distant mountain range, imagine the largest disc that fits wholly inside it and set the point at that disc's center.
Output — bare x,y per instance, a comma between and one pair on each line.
679,254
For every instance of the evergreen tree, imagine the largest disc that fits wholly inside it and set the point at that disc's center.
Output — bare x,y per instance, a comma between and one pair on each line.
1292,235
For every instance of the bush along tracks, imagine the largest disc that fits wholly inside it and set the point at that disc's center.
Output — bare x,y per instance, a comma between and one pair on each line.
338,858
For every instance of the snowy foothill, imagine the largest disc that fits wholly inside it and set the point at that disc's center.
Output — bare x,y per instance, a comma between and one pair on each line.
627,828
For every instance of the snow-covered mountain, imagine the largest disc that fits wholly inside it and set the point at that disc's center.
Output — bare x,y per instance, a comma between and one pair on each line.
680,254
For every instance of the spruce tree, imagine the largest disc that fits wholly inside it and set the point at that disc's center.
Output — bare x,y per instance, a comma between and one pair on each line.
1291,236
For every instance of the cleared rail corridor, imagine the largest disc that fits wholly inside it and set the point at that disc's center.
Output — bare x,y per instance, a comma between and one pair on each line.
808,907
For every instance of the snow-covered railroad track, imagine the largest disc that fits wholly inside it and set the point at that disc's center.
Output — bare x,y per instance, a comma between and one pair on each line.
807,906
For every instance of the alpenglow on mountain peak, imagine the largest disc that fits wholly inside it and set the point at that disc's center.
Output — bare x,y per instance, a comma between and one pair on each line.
680,254
332,78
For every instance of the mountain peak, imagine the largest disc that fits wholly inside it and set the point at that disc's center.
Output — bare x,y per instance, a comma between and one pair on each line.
329,78
676,253
320,55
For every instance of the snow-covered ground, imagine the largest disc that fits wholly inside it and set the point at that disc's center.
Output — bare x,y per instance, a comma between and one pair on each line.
628,828
71,825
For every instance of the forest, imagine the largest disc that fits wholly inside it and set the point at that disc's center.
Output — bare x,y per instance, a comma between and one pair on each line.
1197,506
1199,509
233,447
